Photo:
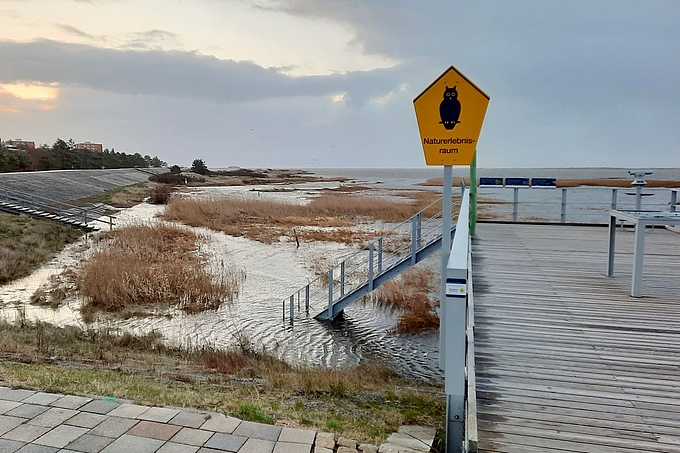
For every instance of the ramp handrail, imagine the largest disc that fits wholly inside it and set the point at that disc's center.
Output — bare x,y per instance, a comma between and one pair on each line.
360,268
78,213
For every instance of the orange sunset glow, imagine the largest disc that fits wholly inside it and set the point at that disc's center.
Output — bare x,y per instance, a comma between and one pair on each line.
31,92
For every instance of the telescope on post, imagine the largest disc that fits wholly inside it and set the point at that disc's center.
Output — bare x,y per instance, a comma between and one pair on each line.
639,182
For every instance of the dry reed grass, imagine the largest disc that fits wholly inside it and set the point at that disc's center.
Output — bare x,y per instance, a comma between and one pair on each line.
409,294
440,182
144,266
268,221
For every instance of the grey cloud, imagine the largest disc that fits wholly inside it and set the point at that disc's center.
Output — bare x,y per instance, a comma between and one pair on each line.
153,40
175,74
70,29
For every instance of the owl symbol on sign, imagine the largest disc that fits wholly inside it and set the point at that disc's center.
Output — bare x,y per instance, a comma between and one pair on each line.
449,109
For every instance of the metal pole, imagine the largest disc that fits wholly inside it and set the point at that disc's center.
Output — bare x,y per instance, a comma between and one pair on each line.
638,257
473,195
342,279
284,310
446,250
674,200
330,294
380,254
612,245
638,198
514,204
563,215
614,198
419,229
414,241
370,267
292,309
307,298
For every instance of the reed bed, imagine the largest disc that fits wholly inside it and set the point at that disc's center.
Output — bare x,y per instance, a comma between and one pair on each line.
147,266
409,294
268,221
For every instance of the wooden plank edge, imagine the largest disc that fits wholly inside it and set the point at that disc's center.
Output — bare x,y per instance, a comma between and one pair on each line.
471,434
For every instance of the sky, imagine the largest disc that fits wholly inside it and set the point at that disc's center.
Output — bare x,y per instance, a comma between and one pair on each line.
331,83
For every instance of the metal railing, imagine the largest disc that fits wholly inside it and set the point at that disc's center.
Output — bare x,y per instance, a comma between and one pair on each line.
80,214
365,266
567,205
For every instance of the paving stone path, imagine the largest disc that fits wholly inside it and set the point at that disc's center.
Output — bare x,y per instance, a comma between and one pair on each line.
39,422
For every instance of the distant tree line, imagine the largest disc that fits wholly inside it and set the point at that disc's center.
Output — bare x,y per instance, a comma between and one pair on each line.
64,155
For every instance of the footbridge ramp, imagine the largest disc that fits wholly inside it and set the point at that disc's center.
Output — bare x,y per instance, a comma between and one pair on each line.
381,260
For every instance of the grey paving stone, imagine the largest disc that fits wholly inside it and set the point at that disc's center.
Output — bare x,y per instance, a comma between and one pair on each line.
43,398
291,447
346,442
89,444
8,423
257,446
154,430
10,446
27,411
343,449
209,450
32,448
258,431
86,420
192,436
299,436
226,442
15,394
172,447
221,424
113,427
52,417
100,406
71,402
189,419
61,436
129,444
8,405
25,433
368,448
158,414
318,449
129,411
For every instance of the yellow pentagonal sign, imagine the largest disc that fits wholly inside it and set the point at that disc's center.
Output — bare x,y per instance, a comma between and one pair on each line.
450,113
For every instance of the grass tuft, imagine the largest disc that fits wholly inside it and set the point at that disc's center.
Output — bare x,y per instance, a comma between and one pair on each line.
145,266
409,294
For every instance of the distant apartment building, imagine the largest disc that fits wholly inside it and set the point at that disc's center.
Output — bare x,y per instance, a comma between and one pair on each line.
91,146
19,144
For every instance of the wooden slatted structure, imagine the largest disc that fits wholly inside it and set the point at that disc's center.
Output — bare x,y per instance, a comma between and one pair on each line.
566,359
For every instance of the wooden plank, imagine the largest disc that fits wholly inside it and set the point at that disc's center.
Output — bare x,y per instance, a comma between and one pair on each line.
566,360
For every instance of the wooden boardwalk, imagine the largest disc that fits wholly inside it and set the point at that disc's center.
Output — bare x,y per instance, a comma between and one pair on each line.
566,359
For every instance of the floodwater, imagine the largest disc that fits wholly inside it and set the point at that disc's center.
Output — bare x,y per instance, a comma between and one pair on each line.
273,273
